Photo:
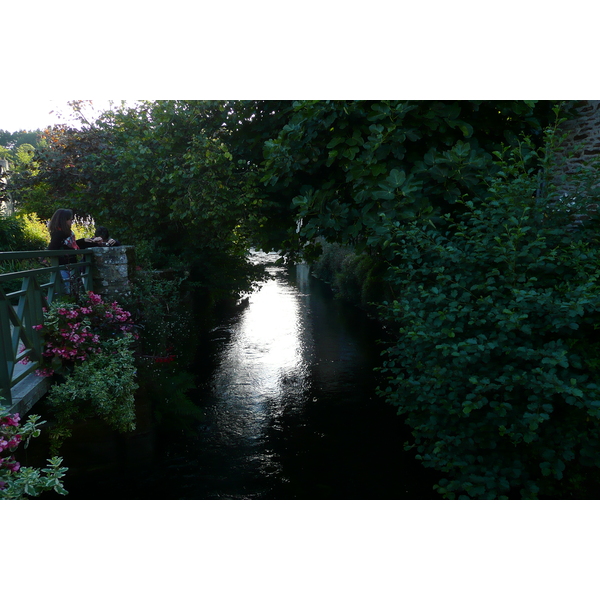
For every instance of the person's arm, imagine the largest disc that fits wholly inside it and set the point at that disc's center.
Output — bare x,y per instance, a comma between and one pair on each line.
56,241
89,242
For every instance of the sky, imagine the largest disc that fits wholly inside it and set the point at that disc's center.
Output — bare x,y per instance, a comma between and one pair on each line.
33,113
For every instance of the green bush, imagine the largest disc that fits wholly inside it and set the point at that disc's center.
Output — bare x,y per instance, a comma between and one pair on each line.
18,235
355,278
495,364
35,232
101,387
90,345
23,232
329,261
163,313
360,280
12,238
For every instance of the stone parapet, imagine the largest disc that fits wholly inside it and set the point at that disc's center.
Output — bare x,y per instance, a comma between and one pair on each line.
113,270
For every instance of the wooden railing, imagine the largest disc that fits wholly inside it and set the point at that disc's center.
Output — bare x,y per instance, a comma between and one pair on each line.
22,309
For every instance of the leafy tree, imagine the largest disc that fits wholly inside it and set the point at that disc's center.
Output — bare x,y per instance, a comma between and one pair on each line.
159,176
494,365
19,150
347,167
13,140
24,154
249,124
5,137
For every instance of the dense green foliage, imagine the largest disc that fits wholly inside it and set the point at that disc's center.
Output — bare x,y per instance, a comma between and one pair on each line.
494,363
12,234
101,387
25,232
357,278
19,150
167,345
17,234
345,164
161,177
14,140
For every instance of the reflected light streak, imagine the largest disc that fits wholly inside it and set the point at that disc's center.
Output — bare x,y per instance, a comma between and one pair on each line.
264,364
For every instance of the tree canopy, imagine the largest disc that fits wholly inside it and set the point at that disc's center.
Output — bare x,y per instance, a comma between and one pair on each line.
160,169
346,166
158,175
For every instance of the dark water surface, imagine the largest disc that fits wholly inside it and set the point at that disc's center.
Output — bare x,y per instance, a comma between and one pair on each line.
288,391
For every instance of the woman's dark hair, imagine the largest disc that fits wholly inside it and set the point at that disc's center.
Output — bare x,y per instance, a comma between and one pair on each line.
102,232
59,219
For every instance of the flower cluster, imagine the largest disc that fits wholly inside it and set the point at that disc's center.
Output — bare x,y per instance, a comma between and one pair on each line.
10,438
108,317
73,333
17,481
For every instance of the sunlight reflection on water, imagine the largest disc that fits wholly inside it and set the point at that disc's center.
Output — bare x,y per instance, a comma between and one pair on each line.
264,365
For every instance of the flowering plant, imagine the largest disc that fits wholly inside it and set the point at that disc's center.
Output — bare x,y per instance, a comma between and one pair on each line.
89,344
73,333
9,440
17,482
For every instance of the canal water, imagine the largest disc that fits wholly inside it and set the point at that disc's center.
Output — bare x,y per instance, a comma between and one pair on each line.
286,385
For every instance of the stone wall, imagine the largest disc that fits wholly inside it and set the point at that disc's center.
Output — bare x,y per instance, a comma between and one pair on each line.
113,269
583,135
580,152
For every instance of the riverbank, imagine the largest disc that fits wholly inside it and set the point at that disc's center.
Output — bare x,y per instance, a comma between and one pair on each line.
357,278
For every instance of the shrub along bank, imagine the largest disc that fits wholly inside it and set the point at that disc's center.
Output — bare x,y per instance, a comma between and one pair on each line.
494,314
357,278
495,366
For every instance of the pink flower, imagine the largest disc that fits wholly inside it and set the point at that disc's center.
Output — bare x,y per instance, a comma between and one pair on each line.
94,298
13,442
10,420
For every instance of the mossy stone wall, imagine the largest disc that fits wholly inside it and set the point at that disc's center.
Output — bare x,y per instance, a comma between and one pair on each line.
113,270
